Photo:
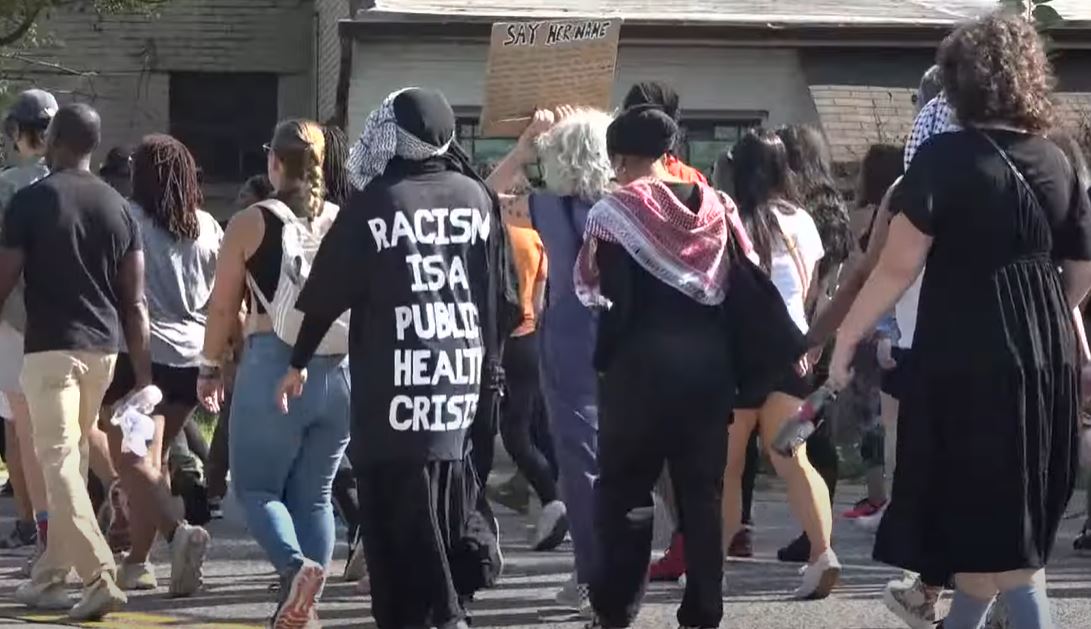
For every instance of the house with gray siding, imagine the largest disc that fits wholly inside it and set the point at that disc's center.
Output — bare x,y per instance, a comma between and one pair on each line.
848,66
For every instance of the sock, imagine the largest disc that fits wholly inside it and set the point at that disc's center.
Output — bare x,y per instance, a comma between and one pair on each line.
42,520
966,612
1028,607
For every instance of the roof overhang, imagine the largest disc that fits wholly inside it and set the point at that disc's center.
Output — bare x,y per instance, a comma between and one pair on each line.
674,30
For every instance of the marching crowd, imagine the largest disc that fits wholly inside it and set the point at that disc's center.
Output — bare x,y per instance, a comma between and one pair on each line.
629,329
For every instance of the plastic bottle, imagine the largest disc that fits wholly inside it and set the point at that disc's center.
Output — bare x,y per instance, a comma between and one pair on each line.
133,417
795,432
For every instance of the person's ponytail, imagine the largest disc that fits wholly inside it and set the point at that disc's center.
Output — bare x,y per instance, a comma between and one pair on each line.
301,147
314,181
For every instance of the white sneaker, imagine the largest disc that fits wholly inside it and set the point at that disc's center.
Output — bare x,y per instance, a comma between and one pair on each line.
187,559
911,601
552,527
136,576
49,596
870,523
575,596
100,598
820,577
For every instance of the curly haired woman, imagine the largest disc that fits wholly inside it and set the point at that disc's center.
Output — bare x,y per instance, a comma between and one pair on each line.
987,443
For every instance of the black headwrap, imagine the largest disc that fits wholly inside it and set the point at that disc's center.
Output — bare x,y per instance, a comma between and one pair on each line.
653,93
642,131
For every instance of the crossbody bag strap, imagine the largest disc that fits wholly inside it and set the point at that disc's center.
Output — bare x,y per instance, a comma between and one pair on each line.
797,258
1014,169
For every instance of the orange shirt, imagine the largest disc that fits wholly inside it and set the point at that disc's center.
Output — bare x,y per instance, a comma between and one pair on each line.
684,172
530,266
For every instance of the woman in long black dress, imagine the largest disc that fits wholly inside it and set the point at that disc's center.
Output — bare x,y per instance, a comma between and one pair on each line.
988,431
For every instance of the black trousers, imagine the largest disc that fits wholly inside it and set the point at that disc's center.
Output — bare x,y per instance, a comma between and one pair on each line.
523,416
411,515
640,428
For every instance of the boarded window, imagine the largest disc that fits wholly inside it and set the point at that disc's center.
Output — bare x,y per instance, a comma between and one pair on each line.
224,119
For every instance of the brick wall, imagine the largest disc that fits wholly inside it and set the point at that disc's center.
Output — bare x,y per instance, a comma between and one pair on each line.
128,58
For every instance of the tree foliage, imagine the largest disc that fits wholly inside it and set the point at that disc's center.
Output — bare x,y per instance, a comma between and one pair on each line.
18,18
1040,11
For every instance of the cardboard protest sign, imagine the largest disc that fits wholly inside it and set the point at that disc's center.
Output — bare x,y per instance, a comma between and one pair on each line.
538,65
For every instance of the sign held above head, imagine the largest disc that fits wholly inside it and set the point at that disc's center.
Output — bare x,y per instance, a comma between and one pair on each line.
542,65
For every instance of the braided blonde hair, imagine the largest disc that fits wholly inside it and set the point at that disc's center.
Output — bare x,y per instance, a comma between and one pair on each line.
300,146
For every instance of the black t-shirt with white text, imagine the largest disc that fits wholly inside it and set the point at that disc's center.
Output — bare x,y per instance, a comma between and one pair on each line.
408,255
73,230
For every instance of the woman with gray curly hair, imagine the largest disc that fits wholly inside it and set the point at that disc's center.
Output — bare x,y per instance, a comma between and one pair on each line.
570,147
987,435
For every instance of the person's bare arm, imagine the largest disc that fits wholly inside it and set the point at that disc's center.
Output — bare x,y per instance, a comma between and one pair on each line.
508,176
1077,283
902,261
133,310
857,270
516,210
243,233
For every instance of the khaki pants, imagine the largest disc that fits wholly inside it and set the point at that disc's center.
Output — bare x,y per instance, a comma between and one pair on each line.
64,391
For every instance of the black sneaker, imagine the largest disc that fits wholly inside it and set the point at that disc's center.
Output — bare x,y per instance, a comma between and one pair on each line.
799,551
7,490
23,534
1082,545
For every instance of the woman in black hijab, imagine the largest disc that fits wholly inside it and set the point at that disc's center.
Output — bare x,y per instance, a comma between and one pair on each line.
418,257
656,259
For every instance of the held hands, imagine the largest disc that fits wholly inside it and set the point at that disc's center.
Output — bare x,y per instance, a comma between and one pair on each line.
291,387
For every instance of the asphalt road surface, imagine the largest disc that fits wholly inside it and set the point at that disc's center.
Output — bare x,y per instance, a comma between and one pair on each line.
238,579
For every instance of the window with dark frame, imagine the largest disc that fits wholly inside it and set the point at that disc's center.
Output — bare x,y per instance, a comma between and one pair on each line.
703,139
224,119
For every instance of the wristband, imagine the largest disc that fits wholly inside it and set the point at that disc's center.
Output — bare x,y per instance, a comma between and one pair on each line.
208,372
202,361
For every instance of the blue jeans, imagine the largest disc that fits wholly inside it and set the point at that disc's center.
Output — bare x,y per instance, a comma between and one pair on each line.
283,466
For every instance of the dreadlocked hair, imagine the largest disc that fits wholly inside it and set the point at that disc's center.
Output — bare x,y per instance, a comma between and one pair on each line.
165,185
300,147
335,169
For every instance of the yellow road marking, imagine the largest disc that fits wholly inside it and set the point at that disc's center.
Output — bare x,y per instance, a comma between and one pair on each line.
128,620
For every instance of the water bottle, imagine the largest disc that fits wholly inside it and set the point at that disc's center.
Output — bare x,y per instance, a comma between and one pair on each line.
133,416
799,427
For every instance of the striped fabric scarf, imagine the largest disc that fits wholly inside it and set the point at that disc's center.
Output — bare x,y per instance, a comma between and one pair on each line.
685,250
381,140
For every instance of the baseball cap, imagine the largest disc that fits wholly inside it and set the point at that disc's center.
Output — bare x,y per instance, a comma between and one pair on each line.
33,106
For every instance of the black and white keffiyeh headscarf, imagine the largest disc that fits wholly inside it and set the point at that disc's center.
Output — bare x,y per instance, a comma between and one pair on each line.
385,137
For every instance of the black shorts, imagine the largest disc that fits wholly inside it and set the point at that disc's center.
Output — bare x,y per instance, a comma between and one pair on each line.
178,384
791,383
896,381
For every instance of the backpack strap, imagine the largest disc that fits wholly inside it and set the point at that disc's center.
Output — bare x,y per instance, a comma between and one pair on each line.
279,209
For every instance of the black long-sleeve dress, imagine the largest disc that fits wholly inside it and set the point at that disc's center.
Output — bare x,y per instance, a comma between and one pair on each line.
987,436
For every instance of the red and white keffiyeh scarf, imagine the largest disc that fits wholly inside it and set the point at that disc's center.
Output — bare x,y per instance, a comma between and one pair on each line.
683,249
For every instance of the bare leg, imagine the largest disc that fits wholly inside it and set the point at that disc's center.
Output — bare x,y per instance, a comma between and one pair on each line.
889,417
808,495
146,485
738,437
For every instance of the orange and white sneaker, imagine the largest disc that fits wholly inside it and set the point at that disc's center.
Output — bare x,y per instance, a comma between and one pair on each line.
300,597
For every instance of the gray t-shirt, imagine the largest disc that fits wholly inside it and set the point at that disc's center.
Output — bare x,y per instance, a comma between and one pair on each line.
178,276
12,180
